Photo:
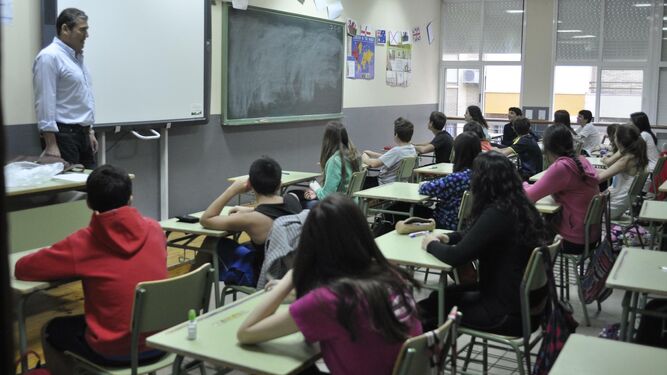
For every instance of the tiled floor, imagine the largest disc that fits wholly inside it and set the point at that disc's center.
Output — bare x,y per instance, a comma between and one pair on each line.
503,362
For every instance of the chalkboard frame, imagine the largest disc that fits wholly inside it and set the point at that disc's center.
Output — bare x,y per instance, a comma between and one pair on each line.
273,119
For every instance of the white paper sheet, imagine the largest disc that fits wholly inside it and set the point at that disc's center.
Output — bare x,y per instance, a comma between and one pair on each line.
240,4
334,10
320,4
72,177
430,33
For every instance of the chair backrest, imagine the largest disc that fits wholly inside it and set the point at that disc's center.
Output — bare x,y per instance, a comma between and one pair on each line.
164,303
356,182
578,145
405,168
593,218
534,278
635,192
415,355
464,209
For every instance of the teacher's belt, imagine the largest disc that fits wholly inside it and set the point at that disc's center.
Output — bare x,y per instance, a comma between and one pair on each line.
72,128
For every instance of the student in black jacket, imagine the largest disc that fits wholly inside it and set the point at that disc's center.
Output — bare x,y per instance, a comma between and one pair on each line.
505,228
508,130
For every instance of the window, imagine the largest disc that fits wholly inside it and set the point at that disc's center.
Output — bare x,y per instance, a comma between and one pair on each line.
602,56
481,58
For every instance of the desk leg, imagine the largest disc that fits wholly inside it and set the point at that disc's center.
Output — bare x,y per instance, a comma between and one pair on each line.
364,207
624,316
633,316
23,338
442,283
209,245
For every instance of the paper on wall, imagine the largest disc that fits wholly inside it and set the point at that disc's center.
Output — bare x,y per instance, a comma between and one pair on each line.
320,4
430,33
240,4
334,10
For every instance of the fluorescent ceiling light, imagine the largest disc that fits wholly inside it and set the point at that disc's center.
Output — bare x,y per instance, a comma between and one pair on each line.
568,31
583,36
641,5
514,11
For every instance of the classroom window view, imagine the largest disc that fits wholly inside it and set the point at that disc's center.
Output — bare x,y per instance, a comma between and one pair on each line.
497,89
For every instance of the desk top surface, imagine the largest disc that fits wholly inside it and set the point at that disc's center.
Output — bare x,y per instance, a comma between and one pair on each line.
640,270
596,356
547,205
289,177
397,191
173,225
20,286
216,342
440,169
596,162
654,211
401,249
52,185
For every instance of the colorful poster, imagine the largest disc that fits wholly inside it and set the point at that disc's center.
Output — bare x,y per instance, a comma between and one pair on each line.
363,51
366,30
394,38
352,27
380,37
399,65
416,34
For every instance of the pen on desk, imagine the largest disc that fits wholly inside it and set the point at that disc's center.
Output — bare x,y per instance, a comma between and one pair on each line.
420,233
286,173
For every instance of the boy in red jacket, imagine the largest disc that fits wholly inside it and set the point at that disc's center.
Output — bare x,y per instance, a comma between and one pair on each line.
119,249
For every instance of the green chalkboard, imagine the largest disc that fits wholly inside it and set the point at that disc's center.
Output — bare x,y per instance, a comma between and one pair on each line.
280,67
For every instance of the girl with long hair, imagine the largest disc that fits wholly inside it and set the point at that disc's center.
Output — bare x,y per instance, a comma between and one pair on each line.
338,159
474,113
572,181
504,229
624,164
349,298
449,189
562,116
640,120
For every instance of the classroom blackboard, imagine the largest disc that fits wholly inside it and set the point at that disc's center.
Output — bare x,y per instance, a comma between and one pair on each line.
280,67
149,60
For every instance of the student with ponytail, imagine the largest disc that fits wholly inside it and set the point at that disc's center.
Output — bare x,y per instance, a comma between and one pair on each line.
572,181
640,120
474,113
624,164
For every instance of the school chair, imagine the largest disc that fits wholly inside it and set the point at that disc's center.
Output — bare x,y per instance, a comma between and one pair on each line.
356,183
534,278
405,169
635,200
426,352
656,174
159,305
594,214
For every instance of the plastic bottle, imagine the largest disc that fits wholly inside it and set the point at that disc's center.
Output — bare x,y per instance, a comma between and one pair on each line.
192,324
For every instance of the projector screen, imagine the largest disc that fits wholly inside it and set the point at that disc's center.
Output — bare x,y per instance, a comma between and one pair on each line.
149,60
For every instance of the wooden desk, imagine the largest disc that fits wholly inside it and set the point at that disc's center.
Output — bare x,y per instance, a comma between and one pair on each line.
654,212
440,169
596,356
637,271
216,343
52,186
547,206
395,191
403,250
192,231
23,290
289,177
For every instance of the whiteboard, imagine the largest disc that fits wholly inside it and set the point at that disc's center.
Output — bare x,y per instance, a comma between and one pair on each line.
149,60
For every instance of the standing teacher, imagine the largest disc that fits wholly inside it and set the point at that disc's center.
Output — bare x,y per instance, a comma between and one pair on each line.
63,93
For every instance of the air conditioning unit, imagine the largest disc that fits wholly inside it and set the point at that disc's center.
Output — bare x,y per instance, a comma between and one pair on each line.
470,76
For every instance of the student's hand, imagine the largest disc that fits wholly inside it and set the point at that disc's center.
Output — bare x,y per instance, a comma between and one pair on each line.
93,142
434,237
241,209
309,194
271,284
240,185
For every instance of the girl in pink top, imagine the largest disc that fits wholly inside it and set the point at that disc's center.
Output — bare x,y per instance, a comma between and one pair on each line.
349,298
572,181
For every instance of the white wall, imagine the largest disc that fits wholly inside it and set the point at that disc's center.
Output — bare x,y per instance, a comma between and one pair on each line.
21,42
538,53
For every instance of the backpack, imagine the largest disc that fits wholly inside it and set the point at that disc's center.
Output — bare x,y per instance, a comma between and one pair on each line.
280,245
236,263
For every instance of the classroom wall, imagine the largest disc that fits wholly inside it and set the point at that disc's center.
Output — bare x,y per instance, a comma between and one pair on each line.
202,157
538,53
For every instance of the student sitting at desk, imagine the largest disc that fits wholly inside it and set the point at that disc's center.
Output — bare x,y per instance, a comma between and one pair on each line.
442,142
449,189
588,134
505,228
573,182
349,298
526,148
474,113
338,160
477,129
624,164
508,130
390,160
264,179
118,250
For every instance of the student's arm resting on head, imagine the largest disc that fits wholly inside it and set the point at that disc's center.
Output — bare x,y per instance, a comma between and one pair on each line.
371,162
264,323
211,217
51,263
